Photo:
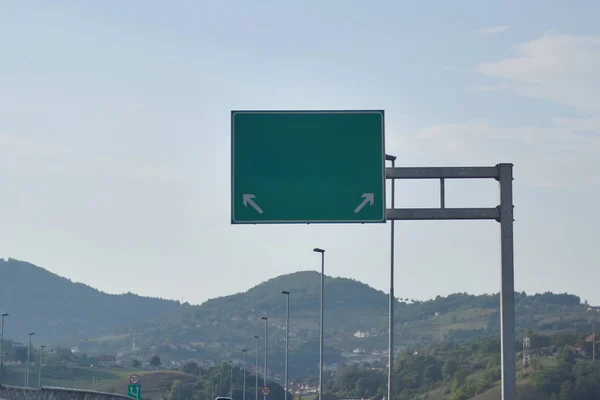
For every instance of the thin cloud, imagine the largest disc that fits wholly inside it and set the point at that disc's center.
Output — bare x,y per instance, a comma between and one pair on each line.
494,30
554,156
558,68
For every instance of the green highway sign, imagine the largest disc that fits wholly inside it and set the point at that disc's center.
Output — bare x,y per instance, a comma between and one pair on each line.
135,391
307,167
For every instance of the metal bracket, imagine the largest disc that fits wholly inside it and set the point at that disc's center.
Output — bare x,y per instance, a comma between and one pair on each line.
443,173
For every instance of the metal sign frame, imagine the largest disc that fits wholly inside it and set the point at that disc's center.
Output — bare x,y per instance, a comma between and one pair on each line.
503,214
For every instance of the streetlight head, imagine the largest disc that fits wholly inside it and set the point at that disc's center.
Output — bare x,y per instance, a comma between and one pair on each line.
244,350
265,318
318,250
285,292
43,346
389,157
5,315
255,337
32,333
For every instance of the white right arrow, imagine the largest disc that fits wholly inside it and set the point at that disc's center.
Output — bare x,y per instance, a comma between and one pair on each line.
368,198
247,199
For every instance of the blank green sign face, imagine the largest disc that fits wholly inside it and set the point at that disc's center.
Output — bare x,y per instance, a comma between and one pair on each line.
307,167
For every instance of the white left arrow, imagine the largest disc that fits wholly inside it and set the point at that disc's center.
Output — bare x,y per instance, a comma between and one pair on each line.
247,199
368,198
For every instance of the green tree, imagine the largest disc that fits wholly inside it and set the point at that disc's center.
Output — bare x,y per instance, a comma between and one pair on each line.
566,355
191,368
567,391
494,361
155,361
460,377
135,363
449,369
175,391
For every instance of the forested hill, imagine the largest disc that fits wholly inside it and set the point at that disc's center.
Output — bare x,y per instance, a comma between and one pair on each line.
58,309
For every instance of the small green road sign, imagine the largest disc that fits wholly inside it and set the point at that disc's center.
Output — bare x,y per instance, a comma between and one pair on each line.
307,167
135,391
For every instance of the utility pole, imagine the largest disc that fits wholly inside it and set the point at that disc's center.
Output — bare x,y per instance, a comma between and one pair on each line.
287,337
256,369
28,360
594,342
42,347
317,250
265,377
2,316
231,379
244,388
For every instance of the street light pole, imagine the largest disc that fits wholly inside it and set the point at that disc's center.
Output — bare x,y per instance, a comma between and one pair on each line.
42,347
244,387
266,346
256,370
2,316
287,337
317,250
392,297
231,379
28,360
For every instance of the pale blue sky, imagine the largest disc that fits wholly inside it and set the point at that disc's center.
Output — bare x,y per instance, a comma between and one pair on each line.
114,137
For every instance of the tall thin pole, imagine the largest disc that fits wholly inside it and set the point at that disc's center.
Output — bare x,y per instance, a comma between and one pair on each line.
321,327
256,370
507,292
594,342
287,337
212,391
28,360
244,388
317,250
265,372
42,347
392,298
221,381
231,379
1,345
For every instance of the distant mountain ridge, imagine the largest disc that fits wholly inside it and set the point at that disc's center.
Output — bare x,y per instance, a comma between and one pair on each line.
58,309
356,317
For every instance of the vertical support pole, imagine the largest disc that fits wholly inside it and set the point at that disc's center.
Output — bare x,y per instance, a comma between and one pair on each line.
1,344
255,370
507,293
265,377
392,296
40,367
244,375
287,338
321,330
442,193
594,342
